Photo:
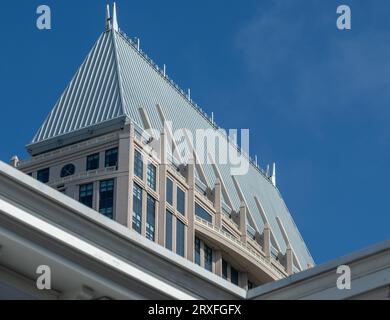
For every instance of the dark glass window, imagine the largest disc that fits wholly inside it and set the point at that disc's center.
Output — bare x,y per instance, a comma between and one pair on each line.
181,201
106,203
30,174
197,251
180,240
138,165
224,269
43,175
68,170
208,258
169,191
137,208
250,285
86,194
111,158
151,177
93,162
234,276
168,230
202,213
151,218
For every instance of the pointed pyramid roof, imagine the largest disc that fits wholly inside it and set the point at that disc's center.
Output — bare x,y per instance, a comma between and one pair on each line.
112,84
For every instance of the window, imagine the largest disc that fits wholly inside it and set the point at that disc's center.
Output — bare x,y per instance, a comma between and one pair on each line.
181,201
168,230
86,194
151,218
224,269
137,208
43,175
202,213
138,165
250,285
208,258
111,158
93,162
29,174
197,251
106,205
169,191
180,240
151,177
234,276
68,170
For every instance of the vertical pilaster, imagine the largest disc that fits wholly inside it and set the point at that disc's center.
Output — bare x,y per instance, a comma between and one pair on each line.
162,188
267,241
191,210
243,222
122,189
289,260
218,262
243,280
218,203
131,176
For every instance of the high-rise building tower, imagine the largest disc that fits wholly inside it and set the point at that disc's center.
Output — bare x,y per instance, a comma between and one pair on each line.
109,143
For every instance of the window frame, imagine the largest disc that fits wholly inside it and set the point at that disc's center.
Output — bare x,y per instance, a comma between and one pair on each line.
86,191
95,155
101,183
108,164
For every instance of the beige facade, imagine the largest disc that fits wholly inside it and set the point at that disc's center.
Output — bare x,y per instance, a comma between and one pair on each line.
232,248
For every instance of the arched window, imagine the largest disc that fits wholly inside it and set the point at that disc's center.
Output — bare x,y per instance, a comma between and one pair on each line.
68,170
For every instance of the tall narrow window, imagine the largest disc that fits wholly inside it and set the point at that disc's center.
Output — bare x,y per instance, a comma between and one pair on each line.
138,164
181,201
169,191
208,258
202,213
180,238
111,158
151,218
168,230
43,175
234,276
93,162
86,194
137,208
106,205
224,269
197,251
151,177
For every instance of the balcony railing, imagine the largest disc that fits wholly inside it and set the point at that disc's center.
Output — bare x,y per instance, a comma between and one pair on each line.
246,248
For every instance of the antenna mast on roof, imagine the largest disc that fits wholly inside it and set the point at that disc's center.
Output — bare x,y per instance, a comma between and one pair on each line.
114,18
108,18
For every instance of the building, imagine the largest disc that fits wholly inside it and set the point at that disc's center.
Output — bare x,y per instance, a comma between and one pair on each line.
96,146
139,206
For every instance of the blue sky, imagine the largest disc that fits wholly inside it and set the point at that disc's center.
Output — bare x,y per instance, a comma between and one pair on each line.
316,99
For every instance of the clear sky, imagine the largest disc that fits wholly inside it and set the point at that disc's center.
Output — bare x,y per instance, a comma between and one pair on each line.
316,99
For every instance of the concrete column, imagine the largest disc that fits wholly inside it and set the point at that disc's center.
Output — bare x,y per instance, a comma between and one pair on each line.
191,210
144,213
122,186
218,203
161,217
243,222
218,262
202,254
243,280
267,241
96,195
289,260
131,176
